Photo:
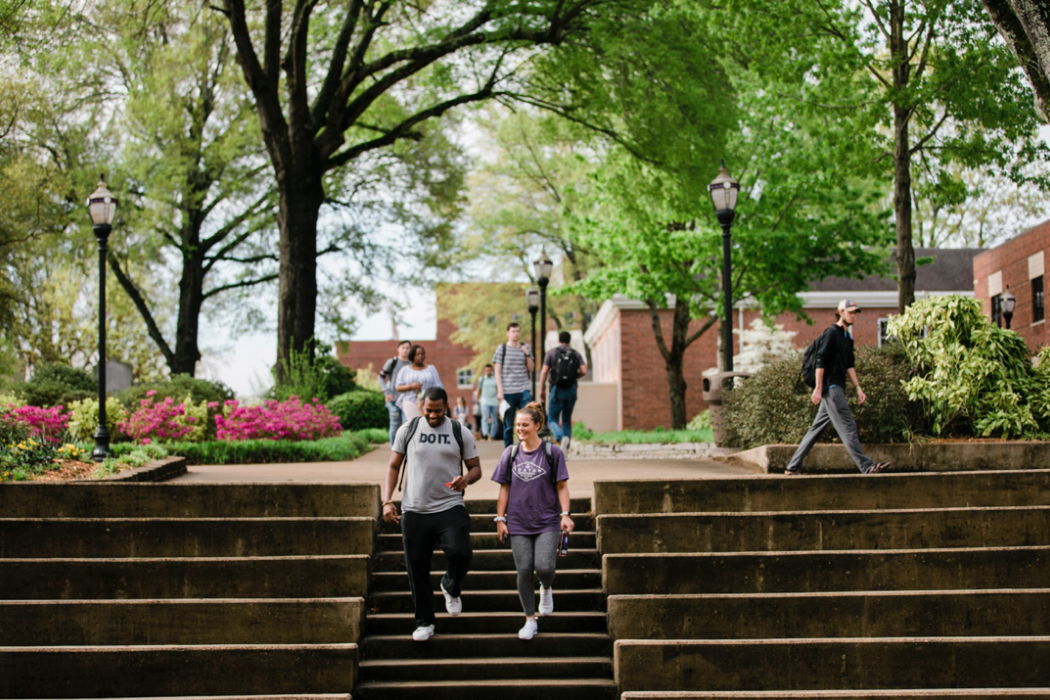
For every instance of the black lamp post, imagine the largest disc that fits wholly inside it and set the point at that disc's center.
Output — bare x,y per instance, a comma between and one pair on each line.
724,190
532,298
102,205
544,267
1008,300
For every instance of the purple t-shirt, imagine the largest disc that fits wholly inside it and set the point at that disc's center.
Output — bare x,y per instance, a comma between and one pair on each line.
533,506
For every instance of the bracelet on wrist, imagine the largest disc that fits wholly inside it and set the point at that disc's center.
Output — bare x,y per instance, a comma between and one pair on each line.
564,512
499,519
387,503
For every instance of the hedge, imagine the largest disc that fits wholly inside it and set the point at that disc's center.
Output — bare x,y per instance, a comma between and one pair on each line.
337,449
360,409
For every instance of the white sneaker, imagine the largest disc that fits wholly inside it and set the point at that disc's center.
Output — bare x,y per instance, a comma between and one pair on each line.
454,605
546,600
423,633
530,630
565,442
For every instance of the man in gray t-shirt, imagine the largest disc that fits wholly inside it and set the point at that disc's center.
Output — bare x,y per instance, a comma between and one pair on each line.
432,508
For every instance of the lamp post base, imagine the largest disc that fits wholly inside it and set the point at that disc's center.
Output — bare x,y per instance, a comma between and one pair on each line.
101,450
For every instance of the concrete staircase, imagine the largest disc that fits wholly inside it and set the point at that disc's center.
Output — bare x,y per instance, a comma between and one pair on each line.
171,590
896,585
477,655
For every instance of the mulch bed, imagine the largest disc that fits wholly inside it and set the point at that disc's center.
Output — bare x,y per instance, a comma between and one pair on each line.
68,470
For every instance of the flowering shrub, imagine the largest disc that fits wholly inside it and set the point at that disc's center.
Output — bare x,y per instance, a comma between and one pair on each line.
83,418
277,420
161,421
47,423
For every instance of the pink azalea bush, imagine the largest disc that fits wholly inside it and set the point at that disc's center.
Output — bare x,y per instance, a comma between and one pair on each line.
277,420
48,423
166,420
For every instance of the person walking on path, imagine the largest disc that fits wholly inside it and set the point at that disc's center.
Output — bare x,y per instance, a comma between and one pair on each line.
432,450
835,361
533,510
487,394
414,380
513,362
387,375
565,367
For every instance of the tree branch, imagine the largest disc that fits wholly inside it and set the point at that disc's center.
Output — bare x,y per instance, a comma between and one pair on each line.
239,285
658,331
140,303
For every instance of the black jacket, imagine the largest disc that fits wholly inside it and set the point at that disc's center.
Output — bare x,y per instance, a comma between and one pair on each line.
835,355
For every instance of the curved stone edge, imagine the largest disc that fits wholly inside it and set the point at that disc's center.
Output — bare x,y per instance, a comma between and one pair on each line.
158,470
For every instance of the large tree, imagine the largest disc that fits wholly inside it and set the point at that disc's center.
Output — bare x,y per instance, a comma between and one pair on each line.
334,84
1025,26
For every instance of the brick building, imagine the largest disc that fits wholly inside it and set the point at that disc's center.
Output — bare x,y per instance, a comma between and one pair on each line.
1017,264
625,353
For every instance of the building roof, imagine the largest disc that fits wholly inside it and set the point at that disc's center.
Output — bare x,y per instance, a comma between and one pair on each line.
950,271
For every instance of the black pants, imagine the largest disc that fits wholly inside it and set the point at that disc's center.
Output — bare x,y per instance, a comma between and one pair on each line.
420,532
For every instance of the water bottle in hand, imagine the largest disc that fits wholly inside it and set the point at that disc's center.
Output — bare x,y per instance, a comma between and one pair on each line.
563,548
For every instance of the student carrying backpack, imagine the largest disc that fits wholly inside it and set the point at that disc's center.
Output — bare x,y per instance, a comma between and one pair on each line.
564,366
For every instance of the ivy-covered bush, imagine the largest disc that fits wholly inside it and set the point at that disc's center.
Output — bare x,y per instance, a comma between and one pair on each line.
972,377
773,406
56,384
361,409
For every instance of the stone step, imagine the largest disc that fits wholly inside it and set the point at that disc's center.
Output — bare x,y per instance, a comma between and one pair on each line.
400,601
908,694
112,538
833,492
476,646
566,579
99,499
484,523
825,530
488,668
509,689
242,577
489,622
835,664
313,696
817,615
181,622
814,572
151,671
579,539
486,560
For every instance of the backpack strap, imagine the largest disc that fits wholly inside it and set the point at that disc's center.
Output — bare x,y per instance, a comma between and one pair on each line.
457,433
552,466
503,354
413,425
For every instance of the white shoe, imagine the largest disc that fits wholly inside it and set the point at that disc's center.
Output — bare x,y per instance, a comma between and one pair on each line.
423,633
454,605
530,630
565,442
546,600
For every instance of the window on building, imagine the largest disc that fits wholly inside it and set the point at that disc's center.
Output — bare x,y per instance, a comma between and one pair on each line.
884,334
516,318
997,310
464,322
1037,299
465,378
491,320
570,319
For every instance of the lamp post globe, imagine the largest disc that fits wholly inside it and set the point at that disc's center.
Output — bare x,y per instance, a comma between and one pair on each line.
532,299
1008,301
102,207
544,267
724,191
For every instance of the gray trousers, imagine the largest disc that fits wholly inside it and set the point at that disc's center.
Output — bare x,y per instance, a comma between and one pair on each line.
537,553
834,410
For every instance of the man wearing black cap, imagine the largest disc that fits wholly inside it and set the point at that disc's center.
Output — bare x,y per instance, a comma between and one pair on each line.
834,365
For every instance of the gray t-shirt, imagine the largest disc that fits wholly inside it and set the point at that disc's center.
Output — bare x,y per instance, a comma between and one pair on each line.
433,461
389,386
515,373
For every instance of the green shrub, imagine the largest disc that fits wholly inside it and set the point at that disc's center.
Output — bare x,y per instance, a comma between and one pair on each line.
774,407
322,378
349,445
971,377
83,419
178,388
358,410
56,384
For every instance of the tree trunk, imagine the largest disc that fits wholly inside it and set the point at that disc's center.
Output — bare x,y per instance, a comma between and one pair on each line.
675,365
1025,27
899,49
301,197
191,297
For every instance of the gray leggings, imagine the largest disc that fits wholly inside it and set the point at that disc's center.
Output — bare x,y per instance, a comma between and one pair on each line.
534,553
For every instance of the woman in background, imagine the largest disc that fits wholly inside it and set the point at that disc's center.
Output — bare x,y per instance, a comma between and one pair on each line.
413,380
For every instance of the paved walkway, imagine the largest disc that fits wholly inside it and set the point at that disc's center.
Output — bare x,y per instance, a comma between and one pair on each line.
372,467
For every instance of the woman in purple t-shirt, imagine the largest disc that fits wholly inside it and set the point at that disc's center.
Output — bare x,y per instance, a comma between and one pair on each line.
533,510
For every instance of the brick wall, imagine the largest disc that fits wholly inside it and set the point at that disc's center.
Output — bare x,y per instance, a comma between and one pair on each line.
1011,260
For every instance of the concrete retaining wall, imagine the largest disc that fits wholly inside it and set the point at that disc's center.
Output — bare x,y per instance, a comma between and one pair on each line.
824,530
175,500
836,492
928,457
809,664
834,614
813,572
159,470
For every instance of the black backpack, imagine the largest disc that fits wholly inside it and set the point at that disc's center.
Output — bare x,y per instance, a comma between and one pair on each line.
809,363
565,368
388,368
413,425
552,468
